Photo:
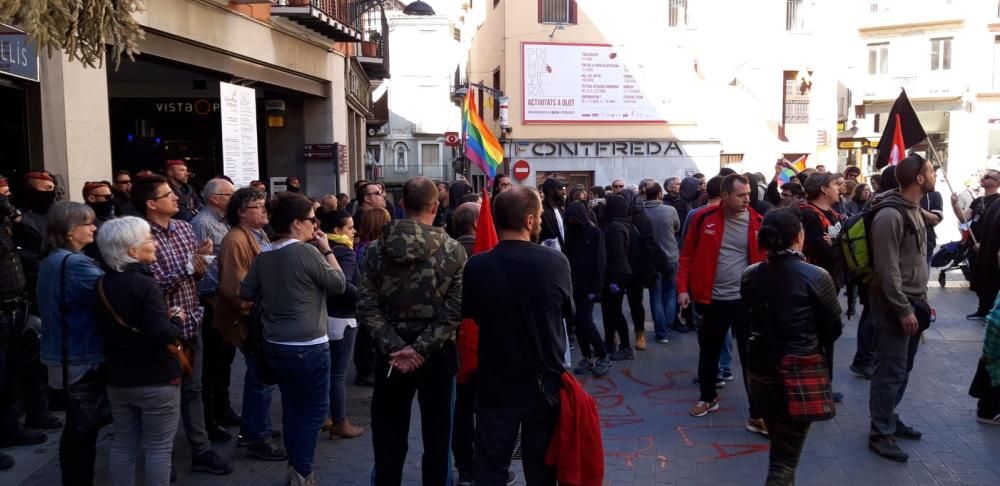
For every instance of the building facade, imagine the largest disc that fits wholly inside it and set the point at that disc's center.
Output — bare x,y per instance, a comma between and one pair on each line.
641,88
946,55
298,58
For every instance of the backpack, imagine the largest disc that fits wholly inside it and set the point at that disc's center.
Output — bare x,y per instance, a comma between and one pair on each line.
857,247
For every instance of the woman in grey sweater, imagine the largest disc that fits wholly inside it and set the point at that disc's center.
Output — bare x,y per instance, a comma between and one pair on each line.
289,282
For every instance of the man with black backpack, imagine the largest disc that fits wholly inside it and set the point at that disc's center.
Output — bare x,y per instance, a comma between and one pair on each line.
898,297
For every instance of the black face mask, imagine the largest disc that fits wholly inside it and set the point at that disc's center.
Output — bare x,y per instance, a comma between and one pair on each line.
103,210
293,189
39,201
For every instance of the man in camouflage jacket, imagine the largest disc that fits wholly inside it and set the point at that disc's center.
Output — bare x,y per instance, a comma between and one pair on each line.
410,300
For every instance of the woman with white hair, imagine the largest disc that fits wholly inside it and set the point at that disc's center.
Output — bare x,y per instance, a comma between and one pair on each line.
143,375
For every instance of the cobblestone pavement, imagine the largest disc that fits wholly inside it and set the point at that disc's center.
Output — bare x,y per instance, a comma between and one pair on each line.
649,438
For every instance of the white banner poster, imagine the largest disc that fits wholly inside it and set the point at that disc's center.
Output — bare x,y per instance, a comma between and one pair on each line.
239,133
586,83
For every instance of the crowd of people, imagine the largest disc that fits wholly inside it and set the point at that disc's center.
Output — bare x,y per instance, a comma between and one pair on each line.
145,292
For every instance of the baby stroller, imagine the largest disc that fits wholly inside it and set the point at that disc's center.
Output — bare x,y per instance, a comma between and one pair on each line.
953,256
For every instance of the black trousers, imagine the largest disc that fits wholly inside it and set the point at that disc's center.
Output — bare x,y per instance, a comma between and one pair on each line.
635,292
434,385
464,434
364,355
787,437
497,431
78,448
717,318
614,320
587,337
217,370
23,377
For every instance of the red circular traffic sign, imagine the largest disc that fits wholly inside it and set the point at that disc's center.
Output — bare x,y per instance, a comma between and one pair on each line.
451,139
521,170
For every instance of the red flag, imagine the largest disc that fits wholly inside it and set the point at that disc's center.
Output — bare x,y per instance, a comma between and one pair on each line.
468,332
898,146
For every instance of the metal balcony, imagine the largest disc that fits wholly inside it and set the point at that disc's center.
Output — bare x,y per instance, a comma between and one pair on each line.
373,52
330,18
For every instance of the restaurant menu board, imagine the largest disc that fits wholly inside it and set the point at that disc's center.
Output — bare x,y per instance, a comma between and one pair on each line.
575,83
239,133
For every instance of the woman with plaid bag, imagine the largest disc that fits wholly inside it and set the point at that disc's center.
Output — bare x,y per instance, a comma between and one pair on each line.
795,318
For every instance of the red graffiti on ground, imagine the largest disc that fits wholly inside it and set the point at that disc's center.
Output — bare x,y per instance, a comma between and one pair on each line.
611,404
645,447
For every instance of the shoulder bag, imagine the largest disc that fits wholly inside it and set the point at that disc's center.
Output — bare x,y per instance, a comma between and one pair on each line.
176,348
88,408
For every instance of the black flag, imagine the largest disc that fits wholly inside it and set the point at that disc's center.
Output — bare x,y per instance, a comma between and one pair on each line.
913,132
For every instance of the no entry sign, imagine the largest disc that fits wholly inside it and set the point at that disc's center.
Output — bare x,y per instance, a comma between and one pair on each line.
521,170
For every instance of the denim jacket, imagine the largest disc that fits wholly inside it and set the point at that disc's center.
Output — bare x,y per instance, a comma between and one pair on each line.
85,343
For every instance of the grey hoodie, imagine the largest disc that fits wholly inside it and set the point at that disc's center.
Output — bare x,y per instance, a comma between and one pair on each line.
666,223
898,252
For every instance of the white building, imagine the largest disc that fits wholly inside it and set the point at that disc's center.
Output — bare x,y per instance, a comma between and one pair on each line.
423,52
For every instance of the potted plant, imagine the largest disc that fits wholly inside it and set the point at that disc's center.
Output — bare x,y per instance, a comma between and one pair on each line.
369,48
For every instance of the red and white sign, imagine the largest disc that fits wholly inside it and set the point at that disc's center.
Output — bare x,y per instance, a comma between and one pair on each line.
451,139
521,170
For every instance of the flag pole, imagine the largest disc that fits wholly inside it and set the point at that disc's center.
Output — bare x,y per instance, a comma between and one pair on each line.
944,174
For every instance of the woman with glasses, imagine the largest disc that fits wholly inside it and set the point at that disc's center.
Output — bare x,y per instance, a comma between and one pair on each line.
143,375
289,282
71,344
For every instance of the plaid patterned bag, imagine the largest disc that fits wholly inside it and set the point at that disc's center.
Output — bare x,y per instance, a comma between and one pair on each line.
807,387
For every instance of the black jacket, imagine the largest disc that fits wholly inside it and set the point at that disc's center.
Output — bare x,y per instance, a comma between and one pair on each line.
550,227
585,250
343,305
137,358
617,238
682,207
793,310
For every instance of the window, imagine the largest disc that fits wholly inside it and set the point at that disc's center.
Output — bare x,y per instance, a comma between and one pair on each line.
678,13
399,154
941,54
878,58
797,87
557,11
795,17
496,86
731,161
430,161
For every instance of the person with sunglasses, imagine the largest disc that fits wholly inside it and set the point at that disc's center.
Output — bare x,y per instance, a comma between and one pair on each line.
973,216
121,189
370,196
289,283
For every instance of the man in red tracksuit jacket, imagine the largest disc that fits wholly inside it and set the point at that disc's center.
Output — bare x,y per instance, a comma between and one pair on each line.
721,242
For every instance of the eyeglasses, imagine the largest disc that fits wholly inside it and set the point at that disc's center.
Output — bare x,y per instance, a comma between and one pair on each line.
377,193
618,186
987,176
313,220
157,198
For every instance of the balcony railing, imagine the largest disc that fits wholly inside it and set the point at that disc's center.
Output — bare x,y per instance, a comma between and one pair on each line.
331,18
443,173
937,84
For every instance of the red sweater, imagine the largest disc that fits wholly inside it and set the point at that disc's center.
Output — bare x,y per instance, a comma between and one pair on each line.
576,449
700,254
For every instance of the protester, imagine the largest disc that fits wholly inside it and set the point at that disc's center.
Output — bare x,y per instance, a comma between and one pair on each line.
99,197
210,224
501,183
932,207
553,201
369,230
793,311
665,225
983,282
293,185
587,255
410,302
342,321
675,199
859,198
143,375
646,259
464,223
444,206
329,203
898,299
289,282
578,193
792,195
722,242
986,383
617,234
259,185
247,216
617,186
822,225
176,249
4,187
189,202
72,347
369,197
121,188
37,195
522,394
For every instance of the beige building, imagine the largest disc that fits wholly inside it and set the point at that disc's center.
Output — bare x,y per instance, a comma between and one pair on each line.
297,58
641,88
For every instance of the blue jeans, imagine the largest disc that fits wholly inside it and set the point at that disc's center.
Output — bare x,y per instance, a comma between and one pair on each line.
340,356
303,374
726,357
663,302
256,423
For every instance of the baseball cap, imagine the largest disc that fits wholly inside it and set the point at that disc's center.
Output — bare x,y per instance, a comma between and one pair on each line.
552,184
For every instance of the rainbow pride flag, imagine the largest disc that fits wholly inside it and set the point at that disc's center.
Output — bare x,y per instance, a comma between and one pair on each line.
800,165
481,147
